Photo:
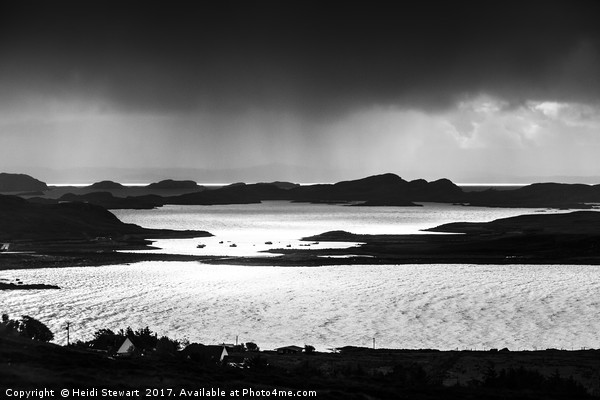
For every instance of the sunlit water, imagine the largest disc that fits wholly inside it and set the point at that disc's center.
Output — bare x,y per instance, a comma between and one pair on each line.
402,306
250,226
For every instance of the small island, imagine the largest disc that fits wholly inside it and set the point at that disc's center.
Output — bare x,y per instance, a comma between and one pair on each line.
31,286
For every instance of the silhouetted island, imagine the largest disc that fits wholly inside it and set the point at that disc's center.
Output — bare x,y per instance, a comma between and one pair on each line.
570,238
108,200
28,286
20,183
379,190
103,185
173,184
80,223
73,233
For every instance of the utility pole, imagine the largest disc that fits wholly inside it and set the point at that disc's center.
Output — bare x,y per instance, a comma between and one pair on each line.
236,340
373,343
68,326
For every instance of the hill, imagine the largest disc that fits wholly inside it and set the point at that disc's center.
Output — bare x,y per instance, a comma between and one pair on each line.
574,223
169,184
20,183
378,190
552,195
352,373
385,189
108,200
105,185
23,220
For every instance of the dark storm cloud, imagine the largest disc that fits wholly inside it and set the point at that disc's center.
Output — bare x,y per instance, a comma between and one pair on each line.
298,56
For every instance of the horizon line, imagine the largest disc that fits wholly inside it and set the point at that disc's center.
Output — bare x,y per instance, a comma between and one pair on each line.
141,184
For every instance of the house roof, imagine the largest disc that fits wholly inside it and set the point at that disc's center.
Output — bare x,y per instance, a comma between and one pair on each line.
126,347
294,348
198,350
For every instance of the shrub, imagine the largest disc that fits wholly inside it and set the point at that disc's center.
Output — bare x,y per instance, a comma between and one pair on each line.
28,327
251,346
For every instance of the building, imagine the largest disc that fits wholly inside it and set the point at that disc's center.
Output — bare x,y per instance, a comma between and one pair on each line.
127,349
205,354
289,350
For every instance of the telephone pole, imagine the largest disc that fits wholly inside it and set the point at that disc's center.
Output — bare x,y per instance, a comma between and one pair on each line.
68,326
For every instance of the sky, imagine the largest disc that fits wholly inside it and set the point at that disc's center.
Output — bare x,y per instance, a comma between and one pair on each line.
313,91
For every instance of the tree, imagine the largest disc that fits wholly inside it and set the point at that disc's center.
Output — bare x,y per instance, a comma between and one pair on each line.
105,339
308,349
34,329
103,332
165,346
251,346
239,348
144,338
9,325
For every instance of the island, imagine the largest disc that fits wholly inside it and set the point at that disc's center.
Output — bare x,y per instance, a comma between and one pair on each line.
568,238
377,190
74,234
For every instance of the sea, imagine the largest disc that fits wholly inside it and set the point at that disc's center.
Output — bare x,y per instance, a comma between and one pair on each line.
456,306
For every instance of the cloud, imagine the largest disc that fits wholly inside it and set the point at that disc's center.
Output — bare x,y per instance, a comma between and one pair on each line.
569,114
317,62
479,136
439,89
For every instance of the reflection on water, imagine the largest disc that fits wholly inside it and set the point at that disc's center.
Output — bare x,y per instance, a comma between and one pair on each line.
281,223
402,306
251,246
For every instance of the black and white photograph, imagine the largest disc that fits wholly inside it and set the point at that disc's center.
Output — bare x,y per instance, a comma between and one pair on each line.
311,199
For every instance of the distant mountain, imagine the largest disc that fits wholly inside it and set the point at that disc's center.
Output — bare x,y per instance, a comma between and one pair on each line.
378,190
238,193
573,223
386,189
263,173
20,183
441,190
23,220
557,195
107,200
283,185
106,185
172,184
